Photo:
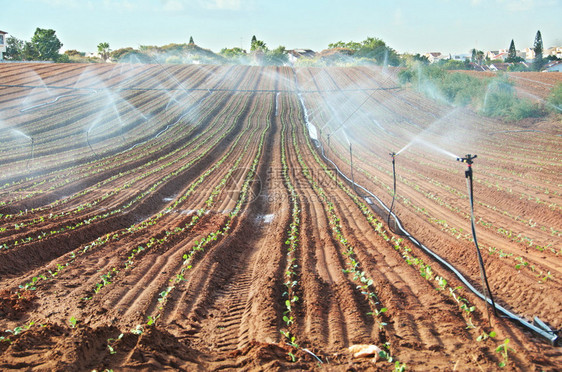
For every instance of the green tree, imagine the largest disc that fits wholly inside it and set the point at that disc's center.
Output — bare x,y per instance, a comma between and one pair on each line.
258,45
512,52
479,57
354,46
14,49
74,53
103,50
473,57
30,52
232,52
276,57
45,45
191,40
538,48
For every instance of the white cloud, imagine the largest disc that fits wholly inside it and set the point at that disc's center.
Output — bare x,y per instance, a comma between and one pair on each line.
398,17
518,5
223,4
527,5
172,5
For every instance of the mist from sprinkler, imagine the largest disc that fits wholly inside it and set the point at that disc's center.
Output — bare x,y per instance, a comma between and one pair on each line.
429,145
21,134
36,95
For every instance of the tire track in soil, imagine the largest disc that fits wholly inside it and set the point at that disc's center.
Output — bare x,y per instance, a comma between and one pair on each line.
142,295
232,296
165,262
337,300
129,294
151,204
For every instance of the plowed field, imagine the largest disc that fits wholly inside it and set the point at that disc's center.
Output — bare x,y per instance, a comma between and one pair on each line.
183,217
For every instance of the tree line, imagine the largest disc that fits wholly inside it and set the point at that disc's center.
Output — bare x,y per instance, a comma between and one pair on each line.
45,46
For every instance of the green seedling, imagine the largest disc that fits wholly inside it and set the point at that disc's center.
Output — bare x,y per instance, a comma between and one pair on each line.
503,349
386,356
73,322
152,320
484,336
399,367
113,340
442,282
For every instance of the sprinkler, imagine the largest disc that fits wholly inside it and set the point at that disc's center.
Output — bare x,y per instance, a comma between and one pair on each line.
89,144
32,146
468,159
393,154
351,164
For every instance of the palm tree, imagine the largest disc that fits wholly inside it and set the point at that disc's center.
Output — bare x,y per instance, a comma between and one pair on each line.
480,57
103,50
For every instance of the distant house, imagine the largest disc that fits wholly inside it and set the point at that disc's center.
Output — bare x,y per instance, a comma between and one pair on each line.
2,44
477,67
295,54
492,53
460,57
529,54
554,51
499,66
500,56
434,57
554,66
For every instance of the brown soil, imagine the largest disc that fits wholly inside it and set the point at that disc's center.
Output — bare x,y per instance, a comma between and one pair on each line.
128,241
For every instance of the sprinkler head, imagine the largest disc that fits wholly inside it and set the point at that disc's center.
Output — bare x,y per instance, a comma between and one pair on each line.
467,159
393,154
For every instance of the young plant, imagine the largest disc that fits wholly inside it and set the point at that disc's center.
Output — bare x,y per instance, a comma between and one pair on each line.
484,336
503,349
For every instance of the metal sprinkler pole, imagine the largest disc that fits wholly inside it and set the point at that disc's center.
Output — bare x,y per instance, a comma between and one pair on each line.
468,159
393,154
32,146
89,144
351,164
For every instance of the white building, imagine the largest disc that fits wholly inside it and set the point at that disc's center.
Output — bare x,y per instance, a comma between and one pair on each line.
554,51
435,57
2,44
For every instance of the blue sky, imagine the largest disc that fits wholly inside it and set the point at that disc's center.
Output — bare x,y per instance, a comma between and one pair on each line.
415,26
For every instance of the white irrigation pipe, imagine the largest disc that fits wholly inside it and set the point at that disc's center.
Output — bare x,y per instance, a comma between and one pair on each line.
57,98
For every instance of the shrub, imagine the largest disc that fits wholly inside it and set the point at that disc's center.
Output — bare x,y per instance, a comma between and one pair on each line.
555,99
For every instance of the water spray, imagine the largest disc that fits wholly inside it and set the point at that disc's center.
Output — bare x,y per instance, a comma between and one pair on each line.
469,160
